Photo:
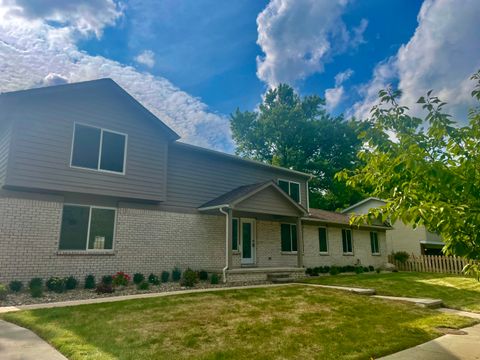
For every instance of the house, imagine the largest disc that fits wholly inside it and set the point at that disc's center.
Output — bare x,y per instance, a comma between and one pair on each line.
93,183
402,237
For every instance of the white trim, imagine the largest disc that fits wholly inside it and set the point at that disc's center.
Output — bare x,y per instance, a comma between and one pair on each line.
100,150
351,239
90,208
326,238
289,190
253,259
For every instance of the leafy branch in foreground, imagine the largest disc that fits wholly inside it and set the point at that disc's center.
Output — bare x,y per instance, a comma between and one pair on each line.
427,169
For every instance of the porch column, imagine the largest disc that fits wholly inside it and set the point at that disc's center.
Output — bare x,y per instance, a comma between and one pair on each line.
229,237
299,243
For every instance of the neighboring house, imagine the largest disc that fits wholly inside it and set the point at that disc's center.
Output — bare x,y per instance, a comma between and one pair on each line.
402,237
92,182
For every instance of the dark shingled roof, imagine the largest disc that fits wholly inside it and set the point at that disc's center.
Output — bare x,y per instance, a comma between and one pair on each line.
329,216
233,195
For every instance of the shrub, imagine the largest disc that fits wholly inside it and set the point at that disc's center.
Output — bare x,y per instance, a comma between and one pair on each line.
15,286
358,269
138,278
120,279
144,285
71,283
349,268
401,256
214,279
90,282
176,274
189,278
371,268
107,280
327,269
309,271
56,284
165,276
378,270
36,287
203,275
3,292
334,270
366,269
103,288
153,279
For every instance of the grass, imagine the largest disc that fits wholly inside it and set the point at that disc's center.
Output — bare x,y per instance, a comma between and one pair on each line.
294,322
457,292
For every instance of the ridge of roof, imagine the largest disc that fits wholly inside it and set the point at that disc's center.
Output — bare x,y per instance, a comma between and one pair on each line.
361,202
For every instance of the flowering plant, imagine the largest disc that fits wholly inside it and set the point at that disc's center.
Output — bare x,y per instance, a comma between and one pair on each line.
121,279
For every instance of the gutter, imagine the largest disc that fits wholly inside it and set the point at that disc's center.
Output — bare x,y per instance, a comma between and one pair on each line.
227,231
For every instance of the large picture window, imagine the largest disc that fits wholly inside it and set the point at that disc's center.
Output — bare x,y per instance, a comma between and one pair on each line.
374,243
87,228
322,240
291,188
289,237
347,242
98,149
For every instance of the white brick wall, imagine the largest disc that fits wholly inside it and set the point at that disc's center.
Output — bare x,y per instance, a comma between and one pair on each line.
146,241
361,248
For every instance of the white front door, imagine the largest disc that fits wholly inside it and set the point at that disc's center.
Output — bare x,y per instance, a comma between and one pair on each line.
247,236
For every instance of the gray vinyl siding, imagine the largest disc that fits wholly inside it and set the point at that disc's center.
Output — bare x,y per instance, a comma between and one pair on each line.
43,133
5,134
196,177
268,201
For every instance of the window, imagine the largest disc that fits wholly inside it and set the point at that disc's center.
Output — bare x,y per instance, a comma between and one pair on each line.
322,240
98,149
87,228
289,237
291,188
374,243
347,241
235,236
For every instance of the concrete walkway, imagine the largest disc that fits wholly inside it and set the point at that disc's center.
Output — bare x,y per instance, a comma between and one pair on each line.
446,347
17,343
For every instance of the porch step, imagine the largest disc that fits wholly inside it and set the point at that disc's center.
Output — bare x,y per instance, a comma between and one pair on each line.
279,278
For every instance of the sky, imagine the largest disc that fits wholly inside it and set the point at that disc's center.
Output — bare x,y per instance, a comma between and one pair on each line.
194,62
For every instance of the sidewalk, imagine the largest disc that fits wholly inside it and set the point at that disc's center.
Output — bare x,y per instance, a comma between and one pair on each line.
17,343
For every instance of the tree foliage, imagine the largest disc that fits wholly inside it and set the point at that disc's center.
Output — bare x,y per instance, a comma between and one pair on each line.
427,169
298,133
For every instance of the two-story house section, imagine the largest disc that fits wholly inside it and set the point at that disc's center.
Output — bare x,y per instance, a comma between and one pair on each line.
91,182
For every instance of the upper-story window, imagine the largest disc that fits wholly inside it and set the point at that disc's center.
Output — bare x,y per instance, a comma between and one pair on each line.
98,149
292,188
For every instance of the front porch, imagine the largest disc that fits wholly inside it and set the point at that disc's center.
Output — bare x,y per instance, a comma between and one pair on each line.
241,275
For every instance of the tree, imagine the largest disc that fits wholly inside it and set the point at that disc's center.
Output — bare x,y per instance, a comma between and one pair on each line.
298,133
428,176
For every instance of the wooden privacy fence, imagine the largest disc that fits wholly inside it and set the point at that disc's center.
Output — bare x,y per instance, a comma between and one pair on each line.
432,263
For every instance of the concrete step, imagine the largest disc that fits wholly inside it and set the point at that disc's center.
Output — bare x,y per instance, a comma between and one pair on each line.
282,280
428,303
278,276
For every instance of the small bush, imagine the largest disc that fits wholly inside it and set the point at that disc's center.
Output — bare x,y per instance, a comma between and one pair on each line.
366,269
165,276
36,287
107,280
189,278
153,279
3,292
56,284
348,268
104,288
334,270
120,279
327,269
358,269
378,270
371,268
71,283
401,256
176,274
214,279
90,282
15,286
203,275
138,278
144,285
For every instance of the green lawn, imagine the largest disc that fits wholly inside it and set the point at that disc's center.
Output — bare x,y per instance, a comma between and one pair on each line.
294,322
457,292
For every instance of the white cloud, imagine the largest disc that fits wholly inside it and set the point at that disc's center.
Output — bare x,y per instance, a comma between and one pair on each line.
442,54
334,96
33,53
299,36
146,58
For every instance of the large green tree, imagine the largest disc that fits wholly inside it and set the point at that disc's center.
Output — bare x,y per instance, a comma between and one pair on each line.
298,133
428,170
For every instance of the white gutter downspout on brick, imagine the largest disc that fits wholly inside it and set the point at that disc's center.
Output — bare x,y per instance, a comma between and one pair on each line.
227,231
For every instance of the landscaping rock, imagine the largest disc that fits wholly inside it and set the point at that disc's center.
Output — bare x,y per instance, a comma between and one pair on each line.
388,267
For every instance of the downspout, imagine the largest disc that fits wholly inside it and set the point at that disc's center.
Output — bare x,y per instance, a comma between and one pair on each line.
227,231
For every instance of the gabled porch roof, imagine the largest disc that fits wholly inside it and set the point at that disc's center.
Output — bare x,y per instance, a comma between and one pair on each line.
266,197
